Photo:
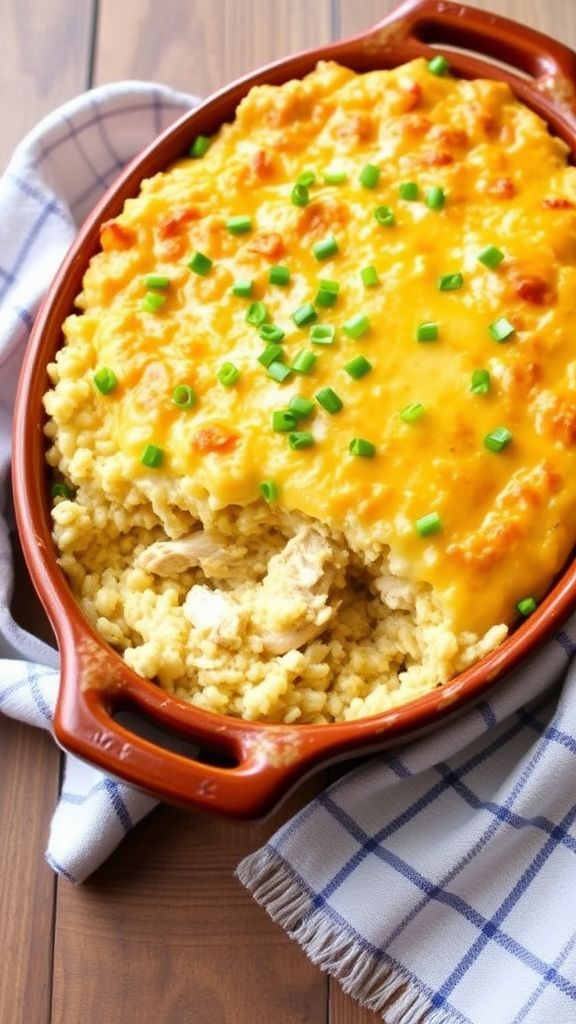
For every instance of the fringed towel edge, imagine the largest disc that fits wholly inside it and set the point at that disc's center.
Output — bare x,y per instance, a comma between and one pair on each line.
376,983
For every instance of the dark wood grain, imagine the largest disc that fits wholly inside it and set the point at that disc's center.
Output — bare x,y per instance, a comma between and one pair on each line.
345,1010
165,932
29,772
44,60
29,769
201,46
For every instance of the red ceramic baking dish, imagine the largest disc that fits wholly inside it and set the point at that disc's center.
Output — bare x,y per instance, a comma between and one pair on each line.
242,769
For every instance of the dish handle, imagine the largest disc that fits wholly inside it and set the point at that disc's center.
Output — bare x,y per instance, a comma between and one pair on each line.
549,62
133,731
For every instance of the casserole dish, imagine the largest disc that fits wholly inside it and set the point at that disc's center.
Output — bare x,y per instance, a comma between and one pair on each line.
96,685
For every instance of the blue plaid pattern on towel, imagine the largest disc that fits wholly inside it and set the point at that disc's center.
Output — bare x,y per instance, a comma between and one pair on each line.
435,882
53,180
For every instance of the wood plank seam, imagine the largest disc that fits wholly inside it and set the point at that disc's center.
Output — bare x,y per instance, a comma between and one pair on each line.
95,21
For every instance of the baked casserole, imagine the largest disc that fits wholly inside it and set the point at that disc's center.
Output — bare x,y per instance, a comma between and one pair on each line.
313,426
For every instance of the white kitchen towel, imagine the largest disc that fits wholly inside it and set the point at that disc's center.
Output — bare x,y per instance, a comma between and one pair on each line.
435,882
54,179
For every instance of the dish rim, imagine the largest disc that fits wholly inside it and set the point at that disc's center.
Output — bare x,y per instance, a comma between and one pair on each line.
84,720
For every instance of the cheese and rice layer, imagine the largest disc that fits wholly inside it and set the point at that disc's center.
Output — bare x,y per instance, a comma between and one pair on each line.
313,427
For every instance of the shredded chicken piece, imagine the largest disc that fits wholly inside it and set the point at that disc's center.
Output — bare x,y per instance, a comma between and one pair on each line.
292,600
396,593
290,607
172,557
215,613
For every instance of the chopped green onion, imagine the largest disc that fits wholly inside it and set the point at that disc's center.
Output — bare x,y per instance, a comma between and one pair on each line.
497,439
369,176
412,412
356,326
435,197
283,420
268,490
300,195
300,439
301,407
427,332
152,456
501,329
200,146
256,314
527,605
243,289
385,216
156,281
305,361
184,396
439,65
304,315
200,264
449,282
327,295
334,177
329,400
105,380
359,446
271,354
153,301
369,276
480,382
228,374
270,332
279,372
490,256
307,178
358,367
60,491
428,524
279,275
326,248
322,334
408,190
239,225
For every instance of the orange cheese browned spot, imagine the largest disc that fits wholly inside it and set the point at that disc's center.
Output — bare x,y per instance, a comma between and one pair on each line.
411,124
508,516
269,245
435,158
561,420
530,282
215,439
262,164
357,128
410,95
556,203
501,188
322,216
454,138
116,236
178,221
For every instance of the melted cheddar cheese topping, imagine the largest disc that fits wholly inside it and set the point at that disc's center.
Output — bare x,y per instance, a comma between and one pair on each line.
508,518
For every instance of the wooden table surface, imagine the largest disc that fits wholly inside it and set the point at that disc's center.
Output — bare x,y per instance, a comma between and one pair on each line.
162,932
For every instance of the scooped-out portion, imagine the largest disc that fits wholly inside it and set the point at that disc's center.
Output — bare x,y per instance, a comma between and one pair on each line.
313,424
270,613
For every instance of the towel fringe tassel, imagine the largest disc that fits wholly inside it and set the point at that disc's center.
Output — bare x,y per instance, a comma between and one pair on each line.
380,986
